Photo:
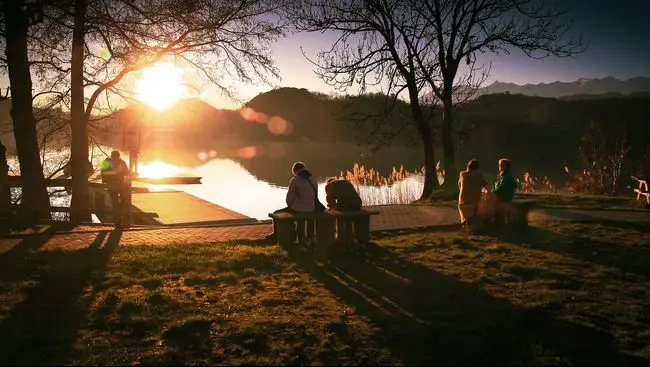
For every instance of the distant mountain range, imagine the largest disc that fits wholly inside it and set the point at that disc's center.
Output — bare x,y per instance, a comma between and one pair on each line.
583,87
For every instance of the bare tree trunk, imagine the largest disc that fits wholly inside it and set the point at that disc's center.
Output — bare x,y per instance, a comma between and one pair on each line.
79,148
430,176
451,171
35,200
5,193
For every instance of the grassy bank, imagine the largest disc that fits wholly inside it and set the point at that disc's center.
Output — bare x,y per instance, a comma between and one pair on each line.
577,201
563,294
562,200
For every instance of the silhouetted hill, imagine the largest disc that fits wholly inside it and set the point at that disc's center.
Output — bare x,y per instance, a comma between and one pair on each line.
280,126
540,134
543,134
581,86
610,95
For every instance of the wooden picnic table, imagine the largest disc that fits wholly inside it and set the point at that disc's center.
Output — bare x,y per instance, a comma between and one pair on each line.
642,189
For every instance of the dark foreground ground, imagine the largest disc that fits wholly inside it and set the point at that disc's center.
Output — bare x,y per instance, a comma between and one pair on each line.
564,293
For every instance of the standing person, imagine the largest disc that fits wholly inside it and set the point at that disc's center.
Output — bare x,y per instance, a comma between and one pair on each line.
470,183
341,195
504,191
117,178
301,197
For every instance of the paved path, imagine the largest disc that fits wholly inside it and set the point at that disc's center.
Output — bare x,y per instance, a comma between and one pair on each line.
391,217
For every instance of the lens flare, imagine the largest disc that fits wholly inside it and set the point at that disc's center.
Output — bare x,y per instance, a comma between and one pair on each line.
250,114
279,126
248,152
105,54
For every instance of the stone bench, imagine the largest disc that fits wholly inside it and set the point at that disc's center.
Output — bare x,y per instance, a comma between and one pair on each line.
517,213
324,228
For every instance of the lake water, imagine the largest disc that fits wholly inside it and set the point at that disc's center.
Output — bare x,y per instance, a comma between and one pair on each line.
227,183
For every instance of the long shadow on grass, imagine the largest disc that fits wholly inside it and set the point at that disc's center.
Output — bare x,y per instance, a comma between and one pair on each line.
613,253
14,263
426,317
43,328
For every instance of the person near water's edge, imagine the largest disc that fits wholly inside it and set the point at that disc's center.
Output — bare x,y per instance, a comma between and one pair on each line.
301,198
117,178
341,195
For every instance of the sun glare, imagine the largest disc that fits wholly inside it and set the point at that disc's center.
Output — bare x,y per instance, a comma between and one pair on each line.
157,169
160,85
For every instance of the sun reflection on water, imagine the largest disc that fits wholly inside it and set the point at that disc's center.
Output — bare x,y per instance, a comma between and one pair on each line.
157,169
226,183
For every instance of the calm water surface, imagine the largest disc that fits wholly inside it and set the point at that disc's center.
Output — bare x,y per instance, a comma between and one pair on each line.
226,183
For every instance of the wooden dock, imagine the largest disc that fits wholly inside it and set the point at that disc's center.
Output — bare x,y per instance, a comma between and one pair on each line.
153,206
176,208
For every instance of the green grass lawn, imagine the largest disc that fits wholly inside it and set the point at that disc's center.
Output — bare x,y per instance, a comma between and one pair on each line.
564,293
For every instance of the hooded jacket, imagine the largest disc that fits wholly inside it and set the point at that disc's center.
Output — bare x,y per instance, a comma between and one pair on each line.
301,196
341,195
505,186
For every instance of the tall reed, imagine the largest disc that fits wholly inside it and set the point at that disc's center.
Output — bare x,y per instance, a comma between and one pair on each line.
400,187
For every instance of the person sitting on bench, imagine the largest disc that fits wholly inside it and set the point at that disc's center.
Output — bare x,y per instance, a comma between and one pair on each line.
504,191
470,183
301,198
341,195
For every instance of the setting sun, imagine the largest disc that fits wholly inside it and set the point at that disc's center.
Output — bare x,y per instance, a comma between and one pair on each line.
160,85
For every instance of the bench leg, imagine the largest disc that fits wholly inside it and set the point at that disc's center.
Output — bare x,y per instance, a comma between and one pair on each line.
311,232
301,225
286,233
325,228
345,231
362,230
523,219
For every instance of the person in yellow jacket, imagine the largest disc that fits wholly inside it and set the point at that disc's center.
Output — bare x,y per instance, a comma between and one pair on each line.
470,182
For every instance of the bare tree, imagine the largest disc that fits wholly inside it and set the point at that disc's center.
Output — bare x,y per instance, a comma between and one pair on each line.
377,44
17,16
603,157
460,29
221,39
